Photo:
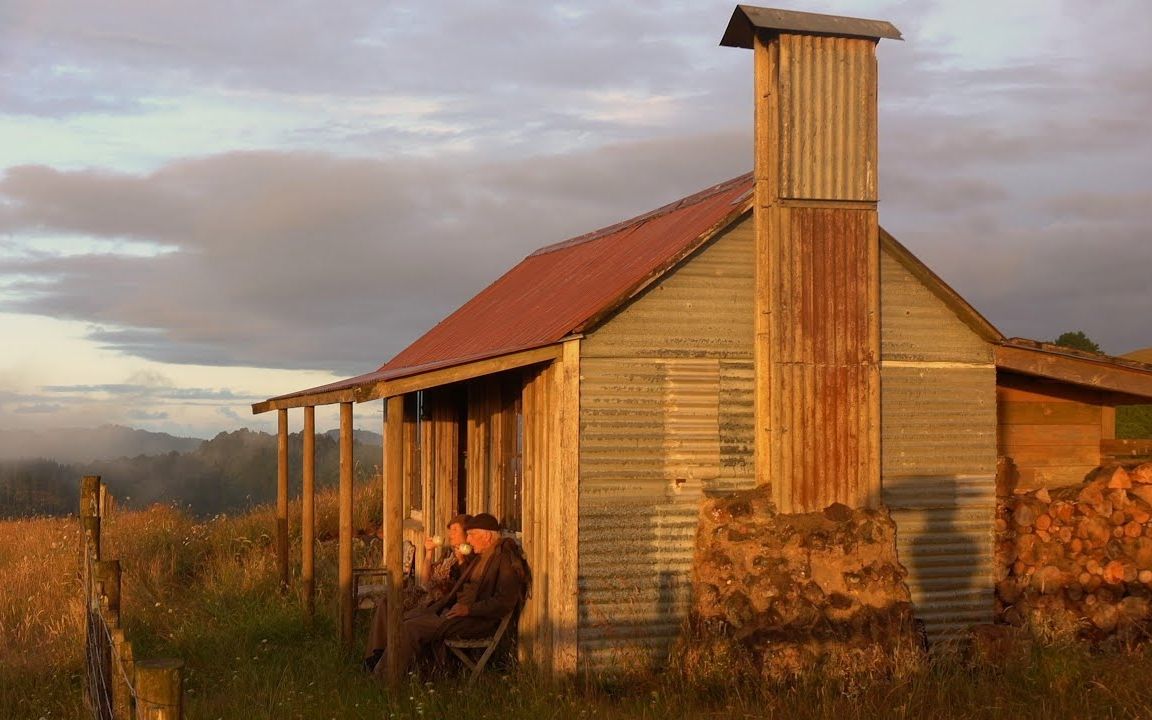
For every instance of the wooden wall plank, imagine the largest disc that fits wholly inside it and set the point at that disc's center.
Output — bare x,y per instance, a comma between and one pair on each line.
1049,412
564,539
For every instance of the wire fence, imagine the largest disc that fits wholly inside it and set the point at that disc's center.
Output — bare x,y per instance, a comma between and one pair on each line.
117,687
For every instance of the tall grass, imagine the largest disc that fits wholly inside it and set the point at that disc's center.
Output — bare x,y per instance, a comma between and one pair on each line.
207,592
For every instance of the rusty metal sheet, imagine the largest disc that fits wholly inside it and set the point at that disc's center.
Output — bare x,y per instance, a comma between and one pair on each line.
821,361
564,288
560,289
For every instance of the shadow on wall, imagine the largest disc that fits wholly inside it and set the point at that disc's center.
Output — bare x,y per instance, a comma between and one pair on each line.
944,538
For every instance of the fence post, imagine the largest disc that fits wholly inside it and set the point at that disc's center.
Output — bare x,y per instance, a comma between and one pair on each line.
159,689
89,553
106,574
107,577
106,501
121,671
90,496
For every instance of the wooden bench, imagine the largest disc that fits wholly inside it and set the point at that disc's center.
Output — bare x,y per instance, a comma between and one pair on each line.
460,648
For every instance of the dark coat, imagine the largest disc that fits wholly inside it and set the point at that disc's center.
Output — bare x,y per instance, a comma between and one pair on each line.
500,587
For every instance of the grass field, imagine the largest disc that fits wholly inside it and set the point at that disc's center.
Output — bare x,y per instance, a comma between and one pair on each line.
206,592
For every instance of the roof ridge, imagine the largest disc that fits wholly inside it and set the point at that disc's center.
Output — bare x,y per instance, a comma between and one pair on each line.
639,219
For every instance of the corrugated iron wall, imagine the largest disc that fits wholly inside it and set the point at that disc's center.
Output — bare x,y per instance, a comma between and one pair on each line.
918,326
666,414
822,358
828,117
938,410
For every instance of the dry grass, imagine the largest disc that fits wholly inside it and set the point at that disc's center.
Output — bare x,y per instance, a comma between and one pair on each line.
206,591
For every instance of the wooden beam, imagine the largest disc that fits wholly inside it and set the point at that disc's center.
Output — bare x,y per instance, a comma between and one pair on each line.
308,513
347,602
1099,374
393,529
330,397
282,496
456,373
564,513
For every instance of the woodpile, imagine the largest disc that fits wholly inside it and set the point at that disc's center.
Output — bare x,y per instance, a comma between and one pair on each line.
802,591
1078,559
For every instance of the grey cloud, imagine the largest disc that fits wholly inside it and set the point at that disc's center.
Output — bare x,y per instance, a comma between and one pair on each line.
38,409
152,391
311,261
68,54
145,415
308,260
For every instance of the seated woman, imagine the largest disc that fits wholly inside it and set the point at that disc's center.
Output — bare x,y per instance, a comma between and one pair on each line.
445,566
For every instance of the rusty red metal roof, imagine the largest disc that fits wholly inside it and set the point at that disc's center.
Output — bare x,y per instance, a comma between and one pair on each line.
564,289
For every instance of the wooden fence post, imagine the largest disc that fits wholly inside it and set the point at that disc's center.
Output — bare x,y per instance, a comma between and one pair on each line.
95,644
106,501
90,496
107,577
159,689
121,671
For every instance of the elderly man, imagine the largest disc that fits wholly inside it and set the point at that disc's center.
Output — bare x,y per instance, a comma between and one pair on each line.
490,588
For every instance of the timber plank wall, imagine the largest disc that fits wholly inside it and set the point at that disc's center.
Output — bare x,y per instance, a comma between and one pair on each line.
1052,431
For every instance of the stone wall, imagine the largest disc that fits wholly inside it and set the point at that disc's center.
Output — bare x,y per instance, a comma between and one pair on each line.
801,592
1077,560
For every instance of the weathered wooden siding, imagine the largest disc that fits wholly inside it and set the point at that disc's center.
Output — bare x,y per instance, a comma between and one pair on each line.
551,537
666,415
938,412
1052,431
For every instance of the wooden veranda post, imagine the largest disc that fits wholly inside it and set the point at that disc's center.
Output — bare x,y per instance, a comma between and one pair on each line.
308,512
282,496
393,526
347,602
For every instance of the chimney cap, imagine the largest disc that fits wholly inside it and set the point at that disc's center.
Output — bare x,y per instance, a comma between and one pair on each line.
746,19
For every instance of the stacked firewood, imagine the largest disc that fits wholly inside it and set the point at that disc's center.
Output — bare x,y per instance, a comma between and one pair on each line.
798,592
1079,558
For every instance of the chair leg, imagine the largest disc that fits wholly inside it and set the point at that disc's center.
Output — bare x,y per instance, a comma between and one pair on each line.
482,662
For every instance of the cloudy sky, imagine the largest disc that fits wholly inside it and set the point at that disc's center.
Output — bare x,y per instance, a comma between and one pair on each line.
202,206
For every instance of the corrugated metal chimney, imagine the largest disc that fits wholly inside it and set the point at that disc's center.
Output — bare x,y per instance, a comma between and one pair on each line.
817,353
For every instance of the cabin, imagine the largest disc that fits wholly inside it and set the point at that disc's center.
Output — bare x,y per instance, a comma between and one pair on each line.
765,331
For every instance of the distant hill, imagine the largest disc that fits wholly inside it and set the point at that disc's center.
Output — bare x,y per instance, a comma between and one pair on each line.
366,437
82,445
231,472
1144,355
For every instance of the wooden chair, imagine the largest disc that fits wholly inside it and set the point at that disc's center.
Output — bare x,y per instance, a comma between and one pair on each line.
460,648
370,584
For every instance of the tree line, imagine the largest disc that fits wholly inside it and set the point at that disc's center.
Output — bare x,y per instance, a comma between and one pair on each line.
229,473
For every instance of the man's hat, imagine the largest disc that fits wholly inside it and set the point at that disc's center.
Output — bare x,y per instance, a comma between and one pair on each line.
483,521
